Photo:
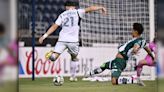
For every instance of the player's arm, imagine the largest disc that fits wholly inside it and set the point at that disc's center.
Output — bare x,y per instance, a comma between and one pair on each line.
95,8
147,49
53,28
50,31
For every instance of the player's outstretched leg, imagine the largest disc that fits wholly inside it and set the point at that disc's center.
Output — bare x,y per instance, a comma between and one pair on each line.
99,69
139,70
52,55
147,61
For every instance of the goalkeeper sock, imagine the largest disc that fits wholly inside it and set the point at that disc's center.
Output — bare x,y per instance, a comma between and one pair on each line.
139,70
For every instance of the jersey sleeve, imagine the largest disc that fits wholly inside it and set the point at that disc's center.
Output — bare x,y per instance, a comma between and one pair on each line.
152,46
81,13
59,20
141,43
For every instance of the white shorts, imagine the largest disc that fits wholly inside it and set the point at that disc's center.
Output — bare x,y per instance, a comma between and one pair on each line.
73,47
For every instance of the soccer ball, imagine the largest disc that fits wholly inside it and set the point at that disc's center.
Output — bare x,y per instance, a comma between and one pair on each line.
58,80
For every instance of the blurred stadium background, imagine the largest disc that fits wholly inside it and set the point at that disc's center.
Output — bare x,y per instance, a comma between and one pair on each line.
115,28
96,31
99,36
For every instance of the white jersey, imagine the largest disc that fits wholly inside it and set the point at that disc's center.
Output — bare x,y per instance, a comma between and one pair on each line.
69,21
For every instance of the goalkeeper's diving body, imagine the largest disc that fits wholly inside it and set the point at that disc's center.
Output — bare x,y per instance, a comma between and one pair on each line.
124,52
147,61
69,35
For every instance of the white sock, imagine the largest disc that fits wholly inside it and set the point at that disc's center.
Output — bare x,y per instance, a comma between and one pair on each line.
73,68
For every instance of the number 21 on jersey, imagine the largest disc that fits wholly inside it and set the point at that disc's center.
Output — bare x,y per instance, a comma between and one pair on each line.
68,22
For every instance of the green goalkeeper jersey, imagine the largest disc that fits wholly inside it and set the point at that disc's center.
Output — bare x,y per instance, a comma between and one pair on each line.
126,49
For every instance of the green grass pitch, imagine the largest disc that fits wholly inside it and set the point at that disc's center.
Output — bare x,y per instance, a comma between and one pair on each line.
45,85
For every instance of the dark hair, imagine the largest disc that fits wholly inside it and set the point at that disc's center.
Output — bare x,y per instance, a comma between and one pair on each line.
2,28
71,3
138,27
155,40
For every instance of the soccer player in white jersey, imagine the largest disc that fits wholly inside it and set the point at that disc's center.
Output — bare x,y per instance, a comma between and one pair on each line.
69,35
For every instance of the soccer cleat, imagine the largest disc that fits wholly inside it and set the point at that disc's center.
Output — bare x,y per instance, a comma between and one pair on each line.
89,74
140,82
73,79
48,55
